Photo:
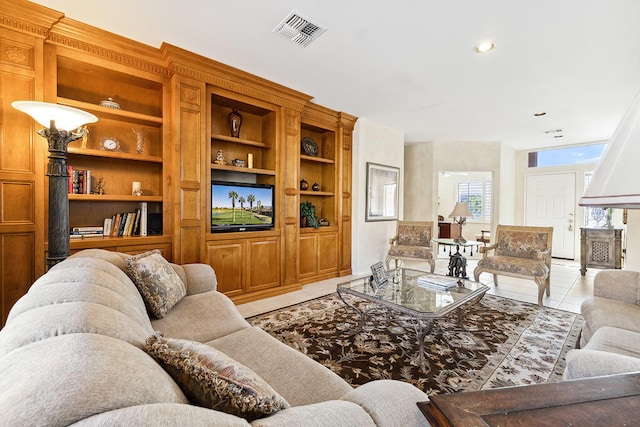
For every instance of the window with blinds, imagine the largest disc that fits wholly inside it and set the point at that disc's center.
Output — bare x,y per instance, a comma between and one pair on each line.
478,195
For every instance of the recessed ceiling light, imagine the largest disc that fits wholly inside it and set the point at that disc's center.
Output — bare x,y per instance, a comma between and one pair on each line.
540,114
485,46
553,131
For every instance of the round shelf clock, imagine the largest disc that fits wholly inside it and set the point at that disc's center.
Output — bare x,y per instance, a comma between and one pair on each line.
109,144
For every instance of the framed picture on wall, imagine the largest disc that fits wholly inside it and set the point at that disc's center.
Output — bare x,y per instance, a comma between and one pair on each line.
382,192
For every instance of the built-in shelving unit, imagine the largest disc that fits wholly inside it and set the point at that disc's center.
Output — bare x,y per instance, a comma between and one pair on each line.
134,121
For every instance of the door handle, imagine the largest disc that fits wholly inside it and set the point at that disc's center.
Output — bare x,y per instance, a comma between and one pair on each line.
570,222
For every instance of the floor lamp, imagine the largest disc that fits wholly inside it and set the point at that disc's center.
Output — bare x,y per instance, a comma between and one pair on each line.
59,123
460,211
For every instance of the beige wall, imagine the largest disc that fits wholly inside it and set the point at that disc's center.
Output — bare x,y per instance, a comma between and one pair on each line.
424,161
377,144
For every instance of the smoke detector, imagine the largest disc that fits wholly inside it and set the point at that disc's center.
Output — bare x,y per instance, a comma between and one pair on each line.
299,29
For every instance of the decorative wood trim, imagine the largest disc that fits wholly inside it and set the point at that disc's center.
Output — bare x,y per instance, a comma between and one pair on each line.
189,64
94,41
290,191
28,18
290,220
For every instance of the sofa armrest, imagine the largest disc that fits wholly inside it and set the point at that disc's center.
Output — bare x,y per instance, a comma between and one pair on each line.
198,278
390,402
585,363
621,285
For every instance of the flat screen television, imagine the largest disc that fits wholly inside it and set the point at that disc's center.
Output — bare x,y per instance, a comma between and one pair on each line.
241,206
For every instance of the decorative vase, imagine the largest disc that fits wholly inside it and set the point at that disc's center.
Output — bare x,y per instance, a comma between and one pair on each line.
304,185
140,134
235,121
315,186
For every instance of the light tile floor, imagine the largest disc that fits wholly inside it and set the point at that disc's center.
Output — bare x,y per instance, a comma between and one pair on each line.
568,287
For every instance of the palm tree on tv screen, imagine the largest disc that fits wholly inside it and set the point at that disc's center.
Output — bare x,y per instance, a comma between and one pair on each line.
251,198
242,201
233,196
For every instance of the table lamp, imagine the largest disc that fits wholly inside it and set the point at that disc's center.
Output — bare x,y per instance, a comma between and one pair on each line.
461,212
59,124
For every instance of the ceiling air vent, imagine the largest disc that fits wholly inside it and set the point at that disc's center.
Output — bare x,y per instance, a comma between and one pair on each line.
299,29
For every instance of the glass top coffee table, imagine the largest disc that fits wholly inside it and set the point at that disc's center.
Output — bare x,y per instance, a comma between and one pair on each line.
421,297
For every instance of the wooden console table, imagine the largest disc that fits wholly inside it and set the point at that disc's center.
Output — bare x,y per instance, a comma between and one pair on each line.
600,401
600,248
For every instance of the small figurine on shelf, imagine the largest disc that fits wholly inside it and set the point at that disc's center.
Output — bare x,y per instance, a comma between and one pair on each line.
85,132
100,186
304,185
220,158
315,186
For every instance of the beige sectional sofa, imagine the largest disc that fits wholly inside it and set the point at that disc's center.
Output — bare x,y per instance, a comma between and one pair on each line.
610,339
74,350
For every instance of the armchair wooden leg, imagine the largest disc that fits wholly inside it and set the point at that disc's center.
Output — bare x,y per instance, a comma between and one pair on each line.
542,285
432,264
476,274
495,280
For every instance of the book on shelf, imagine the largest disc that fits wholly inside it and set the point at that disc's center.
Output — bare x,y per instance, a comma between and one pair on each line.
132,223
437,282
79,180
81,232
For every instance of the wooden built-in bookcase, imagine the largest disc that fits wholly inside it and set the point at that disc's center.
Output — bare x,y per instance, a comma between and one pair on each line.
181,102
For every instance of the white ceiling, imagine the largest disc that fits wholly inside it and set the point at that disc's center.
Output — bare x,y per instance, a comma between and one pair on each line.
410,64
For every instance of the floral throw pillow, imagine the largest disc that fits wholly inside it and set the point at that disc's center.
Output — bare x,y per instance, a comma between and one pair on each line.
211,379
157,282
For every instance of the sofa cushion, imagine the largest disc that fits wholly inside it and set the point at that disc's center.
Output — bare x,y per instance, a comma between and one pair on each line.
585,363
212,379
332,413
61,380
402,251
290,379
599,312
615,340
71,318
213,309
157,281
390,403
165,415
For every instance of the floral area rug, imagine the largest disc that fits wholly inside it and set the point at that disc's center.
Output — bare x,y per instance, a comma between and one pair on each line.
501,342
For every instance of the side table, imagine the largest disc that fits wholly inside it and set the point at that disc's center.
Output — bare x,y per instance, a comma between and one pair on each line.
600,247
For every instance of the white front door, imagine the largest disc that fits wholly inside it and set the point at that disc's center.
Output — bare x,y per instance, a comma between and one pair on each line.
550,200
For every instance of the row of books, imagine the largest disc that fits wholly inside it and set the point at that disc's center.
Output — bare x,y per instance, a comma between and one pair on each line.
441,283
79,180
132,223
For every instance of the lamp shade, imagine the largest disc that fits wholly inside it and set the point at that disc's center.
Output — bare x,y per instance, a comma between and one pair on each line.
66,118
615,183
461,209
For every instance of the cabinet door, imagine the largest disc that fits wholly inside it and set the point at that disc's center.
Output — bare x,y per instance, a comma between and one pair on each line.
327,253
226,257
262,264
308,265
22,156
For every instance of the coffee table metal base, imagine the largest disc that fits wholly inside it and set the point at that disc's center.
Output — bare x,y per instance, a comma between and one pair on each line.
421,326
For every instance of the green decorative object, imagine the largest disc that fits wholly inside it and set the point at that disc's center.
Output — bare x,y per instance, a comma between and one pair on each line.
308,216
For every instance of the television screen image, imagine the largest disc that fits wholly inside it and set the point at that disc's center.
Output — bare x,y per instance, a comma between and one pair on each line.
241,207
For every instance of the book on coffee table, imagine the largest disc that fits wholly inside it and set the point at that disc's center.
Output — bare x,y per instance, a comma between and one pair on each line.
437,282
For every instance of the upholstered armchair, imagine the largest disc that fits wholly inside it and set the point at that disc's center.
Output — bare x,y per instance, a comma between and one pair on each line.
519,251
412,242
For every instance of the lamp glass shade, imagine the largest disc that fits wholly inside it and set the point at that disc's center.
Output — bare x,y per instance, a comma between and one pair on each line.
461,209
614,183
66,118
